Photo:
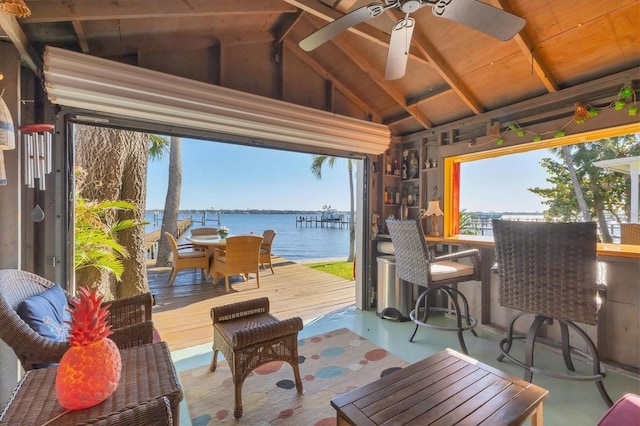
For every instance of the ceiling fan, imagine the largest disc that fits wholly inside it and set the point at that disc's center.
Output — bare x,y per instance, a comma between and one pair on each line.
483,17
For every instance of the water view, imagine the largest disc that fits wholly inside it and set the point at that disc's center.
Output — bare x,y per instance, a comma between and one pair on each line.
291,242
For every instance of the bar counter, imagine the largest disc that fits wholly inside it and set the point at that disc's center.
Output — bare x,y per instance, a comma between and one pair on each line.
617,334
604,249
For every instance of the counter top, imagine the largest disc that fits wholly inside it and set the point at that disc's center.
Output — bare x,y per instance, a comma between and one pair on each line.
604,249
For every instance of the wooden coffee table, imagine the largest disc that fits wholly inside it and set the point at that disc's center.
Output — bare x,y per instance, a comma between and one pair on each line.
444,389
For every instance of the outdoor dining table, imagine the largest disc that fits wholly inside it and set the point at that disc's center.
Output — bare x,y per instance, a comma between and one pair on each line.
211,243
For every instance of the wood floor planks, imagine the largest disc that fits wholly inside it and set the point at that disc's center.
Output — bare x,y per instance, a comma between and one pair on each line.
181,314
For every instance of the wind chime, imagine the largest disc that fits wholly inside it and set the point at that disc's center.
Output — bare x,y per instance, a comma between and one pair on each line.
37,160
37,150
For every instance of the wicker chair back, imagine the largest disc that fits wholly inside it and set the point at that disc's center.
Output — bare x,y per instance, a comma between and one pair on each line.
411,251
548,268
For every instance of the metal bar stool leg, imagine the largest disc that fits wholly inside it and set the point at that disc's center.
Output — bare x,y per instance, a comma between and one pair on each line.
566,348
531,340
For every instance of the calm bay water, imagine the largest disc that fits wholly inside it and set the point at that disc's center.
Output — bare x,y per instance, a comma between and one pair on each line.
291,242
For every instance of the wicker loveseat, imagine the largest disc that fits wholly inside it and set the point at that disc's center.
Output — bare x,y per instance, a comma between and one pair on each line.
130,320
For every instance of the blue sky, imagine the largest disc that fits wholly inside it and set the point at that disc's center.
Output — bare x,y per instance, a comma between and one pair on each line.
226,176
500,184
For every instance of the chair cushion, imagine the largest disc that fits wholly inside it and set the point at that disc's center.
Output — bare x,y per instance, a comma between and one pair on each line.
625,411
446,270
191,254
46,313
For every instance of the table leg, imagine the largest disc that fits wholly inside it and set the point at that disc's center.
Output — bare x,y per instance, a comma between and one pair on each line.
536,417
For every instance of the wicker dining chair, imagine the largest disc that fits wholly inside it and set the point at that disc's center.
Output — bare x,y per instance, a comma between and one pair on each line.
265,248
130,319
241,256
550,270
185,256
199,232
249,336
415,265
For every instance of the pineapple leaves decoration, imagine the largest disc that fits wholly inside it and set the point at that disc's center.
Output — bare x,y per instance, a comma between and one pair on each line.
90,369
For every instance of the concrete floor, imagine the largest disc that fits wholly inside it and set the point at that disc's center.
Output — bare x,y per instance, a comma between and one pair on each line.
568,402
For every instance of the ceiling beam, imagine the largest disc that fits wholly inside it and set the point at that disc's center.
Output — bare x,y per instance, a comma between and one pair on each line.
82,38
285,26
246,38
109,47
11,27
327,14
379,79
87,10
526,46
322,72
606,88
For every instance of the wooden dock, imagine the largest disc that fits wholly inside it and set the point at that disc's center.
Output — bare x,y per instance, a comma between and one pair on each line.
152,238
314,221
182,311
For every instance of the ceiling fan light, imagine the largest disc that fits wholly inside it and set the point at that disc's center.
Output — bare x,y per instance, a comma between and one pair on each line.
15,7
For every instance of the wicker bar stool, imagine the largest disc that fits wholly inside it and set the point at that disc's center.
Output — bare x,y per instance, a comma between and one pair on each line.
249,337
550,270
415,265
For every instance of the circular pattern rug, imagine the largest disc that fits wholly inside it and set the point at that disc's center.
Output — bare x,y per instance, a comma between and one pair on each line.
330,365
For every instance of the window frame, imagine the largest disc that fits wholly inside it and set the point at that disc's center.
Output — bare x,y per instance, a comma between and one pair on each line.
452,165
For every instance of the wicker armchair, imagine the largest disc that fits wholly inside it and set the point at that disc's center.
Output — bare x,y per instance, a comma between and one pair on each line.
550,270
130,319
249,336
265,248
414,264
185,256
241,256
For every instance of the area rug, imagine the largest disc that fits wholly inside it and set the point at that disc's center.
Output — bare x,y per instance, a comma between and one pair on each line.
330,365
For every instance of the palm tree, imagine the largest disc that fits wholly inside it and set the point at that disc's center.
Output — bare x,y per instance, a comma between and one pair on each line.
577,188
316,169
115,166
95,240
172,201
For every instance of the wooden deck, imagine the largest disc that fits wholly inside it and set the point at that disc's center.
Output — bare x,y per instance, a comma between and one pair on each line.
181,314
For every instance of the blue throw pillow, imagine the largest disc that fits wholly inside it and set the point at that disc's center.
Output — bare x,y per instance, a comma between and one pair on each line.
46,313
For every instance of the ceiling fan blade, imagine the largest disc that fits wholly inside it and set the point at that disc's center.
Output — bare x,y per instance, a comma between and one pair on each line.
483,17
399,48
334,28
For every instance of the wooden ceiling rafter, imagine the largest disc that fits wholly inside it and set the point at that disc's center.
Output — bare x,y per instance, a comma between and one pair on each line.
326,14
246,38
19,39
87,10
82,37
525,44
285,27
387,87
322,72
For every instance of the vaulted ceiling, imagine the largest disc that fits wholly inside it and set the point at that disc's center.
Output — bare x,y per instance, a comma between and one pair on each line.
453,71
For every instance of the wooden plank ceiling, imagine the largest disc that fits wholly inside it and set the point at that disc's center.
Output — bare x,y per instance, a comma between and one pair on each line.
453,71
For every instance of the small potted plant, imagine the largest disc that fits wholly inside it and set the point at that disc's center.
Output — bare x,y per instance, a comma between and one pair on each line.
223,231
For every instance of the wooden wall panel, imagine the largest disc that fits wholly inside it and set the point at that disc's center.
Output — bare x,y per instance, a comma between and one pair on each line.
303,86
249,68
195,64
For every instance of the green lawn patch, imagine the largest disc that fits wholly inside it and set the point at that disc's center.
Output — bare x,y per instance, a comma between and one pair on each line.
341,268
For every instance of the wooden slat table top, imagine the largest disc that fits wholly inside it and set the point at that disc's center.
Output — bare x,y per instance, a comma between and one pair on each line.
444,389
